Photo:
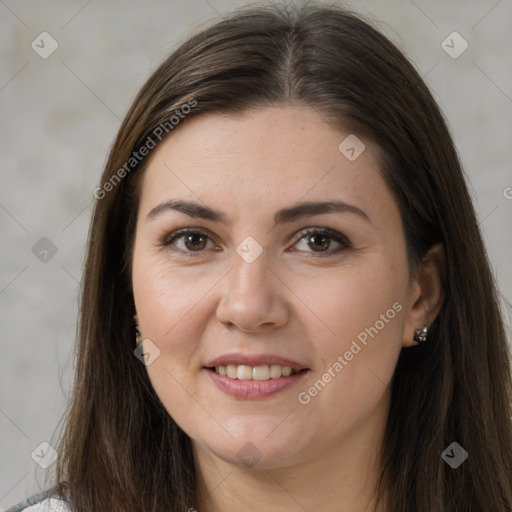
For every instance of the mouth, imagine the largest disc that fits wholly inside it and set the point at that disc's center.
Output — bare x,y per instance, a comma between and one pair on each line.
259,372
250,377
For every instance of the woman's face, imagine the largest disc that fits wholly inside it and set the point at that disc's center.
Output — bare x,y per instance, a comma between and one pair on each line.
240,264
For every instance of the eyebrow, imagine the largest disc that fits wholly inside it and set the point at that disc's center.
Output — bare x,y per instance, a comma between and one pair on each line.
283,216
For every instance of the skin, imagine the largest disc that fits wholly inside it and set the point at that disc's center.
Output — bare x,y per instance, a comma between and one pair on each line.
290,301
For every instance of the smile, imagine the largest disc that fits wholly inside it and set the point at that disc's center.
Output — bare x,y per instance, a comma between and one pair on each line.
266,384
259,372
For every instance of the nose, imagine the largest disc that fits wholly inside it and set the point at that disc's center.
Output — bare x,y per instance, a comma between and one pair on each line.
253,297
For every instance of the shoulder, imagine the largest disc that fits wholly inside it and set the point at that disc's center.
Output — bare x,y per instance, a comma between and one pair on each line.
47,505
41,502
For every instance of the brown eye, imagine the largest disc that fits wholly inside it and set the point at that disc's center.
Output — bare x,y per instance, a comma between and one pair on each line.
195,241
188,241
319,241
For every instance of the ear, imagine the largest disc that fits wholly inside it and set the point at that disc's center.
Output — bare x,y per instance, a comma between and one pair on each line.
426,293
135,316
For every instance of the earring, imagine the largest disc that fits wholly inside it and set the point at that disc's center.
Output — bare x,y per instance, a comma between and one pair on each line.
420,335
138,337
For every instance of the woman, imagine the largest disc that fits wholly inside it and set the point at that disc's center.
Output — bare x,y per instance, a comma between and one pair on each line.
286,302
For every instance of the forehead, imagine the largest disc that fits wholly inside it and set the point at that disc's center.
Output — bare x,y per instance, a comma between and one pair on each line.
272,155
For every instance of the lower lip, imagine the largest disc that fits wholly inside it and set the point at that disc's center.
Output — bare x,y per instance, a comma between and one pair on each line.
248,389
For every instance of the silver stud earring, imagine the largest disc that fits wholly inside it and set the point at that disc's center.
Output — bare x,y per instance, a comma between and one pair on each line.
420,335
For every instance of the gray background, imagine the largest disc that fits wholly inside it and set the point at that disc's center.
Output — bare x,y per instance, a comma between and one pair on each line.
58,119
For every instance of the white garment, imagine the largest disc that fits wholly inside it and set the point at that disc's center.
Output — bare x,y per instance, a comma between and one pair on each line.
48,505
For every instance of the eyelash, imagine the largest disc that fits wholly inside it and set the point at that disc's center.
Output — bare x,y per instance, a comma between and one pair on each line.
329,233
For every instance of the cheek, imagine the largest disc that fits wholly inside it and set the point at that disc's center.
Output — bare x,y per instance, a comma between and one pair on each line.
168,300
354,300
163,298
359,341
170,305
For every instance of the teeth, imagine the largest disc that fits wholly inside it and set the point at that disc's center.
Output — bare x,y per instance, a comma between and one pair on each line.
261,372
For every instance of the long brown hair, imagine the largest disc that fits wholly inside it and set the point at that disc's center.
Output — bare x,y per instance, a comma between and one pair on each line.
120,450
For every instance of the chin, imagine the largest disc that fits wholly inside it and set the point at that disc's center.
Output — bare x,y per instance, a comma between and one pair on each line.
245,452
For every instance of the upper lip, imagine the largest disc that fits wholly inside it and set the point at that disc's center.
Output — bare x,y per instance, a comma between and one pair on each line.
254,360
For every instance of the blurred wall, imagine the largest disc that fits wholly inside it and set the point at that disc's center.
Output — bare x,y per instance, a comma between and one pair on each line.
69,70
